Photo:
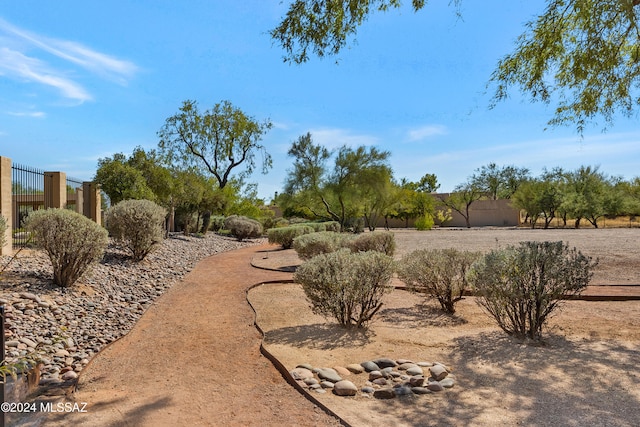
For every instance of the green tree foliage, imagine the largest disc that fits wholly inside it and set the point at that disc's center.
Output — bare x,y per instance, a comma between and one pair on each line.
137,225
323,27
218,141
520,287
120,180
499,182
414,200
589,195
581,55
347,286
356,184
72,241
540,197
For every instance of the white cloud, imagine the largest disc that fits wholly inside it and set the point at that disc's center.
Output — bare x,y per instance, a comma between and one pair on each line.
36,114
424,132
335,138
16,63
22,67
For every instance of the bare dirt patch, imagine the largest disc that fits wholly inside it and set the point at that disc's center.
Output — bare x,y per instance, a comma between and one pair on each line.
585,372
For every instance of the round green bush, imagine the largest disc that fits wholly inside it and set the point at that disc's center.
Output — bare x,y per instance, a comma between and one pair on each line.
71,240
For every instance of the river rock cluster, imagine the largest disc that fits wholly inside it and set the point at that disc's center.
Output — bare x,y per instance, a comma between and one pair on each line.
381,378
64,327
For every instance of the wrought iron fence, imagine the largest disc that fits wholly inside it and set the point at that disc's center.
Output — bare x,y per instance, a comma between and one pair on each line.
74,194
27,187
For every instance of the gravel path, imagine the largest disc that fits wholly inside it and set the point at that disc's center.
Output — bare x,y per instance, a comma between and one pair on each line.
67,327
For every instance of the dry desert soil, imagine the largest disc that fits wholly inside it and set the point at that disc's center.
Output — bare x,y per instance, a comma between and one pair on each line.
208,370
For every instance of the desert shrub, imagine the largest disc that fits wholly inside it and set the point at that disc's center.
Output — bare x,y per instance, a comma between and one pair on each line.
332,226
71,240
295,220
136,225
3,230
346,286
425,222
439,273
284,236
309,245
317,226
217,223
521,286
242,227
379,241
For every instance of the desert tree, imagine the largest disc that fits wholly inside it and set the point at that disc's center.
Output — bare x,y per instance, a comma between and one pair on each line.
499,182
588,195
219,141
463,196
340,192
539,197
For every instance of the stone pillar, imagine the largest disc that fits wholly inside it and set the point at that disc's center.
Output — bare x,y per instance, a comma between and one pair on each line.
6,204
79,200
91,196
55,190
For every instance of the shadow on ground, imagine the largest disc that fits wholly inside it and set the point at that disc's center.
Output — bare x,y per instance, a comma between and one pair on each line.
319,336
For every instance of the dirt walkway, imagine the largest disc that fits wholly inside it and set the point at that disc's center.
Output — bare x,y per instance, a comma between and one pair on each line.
193,359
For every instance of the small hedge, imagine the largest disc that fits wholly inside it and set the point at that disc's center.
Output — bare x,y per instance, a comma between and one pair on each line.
285,235
379,241
242,227
309,245
72,241
137,225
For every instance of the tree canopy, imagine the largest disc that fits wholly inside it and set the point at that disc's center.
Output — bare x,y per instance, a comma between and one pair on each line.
582,56
218,141
357,185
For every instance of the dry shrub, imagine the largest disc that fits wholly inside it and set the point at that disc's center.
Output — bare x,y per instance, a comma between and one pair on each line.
379,241
347,286
439,273
309,245
521,286
71,240
137,225
285,235
242,227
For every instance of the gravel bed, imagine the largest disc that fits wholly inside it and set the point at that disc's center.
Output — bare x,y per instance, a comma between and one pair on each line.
65,327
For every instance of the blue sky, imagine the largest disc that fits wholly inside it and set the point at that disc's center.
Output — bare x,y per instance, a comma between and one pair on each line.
84,80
